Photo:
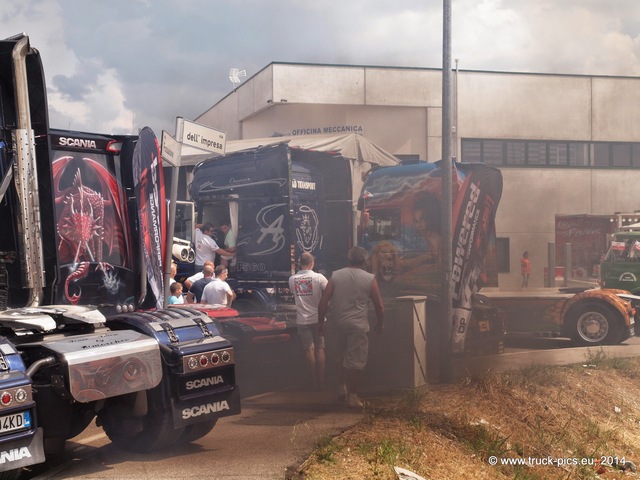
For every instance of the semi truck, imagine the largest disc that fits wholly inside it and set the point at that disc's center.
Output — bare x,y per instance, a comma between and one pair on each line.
284,196
83,331
400,225
588,313
620,267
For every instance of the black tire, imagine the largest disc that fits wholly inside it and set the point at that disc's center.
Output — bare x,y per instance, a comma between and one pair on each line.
197,430
154,431
11,474
594,324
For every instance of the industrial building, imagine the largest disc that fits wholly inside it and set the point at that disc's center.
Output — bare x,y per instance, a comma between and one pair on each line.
566,144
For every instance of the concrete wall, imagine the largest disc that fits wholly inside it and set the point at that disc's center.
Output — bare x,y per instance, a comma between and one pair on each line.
529,107
401,129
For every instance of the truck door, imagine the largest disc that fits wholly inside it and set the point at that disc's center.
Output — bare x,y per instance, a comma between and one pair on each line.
309,220
252,187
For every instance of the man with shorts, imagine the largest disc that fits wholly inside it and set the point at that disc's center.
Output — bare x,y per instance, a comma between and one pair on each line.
307,287
349,290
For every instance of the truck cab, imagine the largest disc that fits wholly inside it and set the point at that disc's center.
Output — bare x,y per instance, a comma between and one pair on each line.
620,267
281,202
400,226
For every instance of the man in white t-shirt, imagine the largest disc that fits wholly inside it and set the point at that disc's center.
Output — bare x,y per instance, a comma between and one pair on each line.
206,246
218,291
307,287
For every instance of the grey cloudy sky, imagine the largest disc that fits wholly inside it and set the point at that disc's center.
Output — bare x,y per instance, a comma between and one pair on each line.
116,66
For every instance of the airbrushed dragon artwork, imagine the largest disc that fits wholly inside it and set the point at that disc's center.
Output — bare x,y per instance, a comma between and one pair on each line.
90,224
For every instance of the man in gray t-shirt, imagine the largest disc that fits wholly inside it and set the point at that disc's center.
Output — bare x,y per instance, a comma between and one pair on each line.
349,291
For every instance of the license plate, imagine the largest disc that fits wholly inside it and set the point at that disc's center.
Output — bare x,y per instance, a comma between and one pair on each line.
16,421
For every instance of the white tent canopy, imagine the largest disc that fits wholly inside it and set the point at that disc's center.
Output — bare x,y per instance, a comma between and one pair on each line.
361,152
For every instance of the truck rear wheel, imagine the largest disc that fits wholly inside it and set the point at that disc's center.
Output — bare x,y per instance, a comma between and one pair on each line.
595,324
153,431
11,474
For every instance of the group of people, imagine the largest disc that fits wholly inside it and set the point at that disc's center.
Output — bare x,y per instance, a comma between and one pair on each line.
348,294
207,248
209,284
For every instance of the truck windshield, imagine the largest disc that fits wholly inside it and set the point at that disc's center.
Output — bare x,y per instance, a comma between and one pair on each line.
383,224
624,250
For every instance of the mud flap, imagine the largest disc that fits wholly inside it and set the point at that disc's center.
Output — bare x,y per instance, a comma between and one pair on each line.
22,452
205,408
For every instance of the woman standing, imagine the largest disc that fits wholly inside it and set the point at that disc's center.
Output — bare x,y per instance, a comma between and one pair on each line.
525,269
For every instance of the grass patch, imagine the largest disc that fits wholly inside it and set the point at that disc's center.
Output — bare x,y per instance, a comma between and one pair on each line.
449,432
325,451
598,359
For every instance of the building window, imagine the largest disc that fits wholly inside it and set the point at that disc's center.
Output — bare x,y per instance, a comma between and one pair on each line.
601,155
515,153
621,155
408,159
535,153
503,257
472,152
492,152
558,153
579,154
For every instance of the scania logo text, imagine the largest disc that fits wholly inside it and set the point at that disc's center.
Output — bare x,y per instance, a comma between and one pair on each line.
204,409
204,382
14,454
76,142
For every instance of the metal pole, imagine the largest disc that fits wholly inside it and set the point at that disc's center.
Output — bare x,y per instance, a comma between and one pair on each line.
550,281
173,194
454,129
568,264
446,367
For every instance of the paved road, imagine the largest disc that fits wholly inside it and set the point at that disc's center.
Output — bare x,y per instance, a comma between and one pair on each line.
279,426
276,429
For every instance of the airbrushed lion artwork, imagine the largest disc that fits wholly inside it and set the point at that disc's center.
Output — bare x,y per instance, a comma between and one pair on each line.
401,226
